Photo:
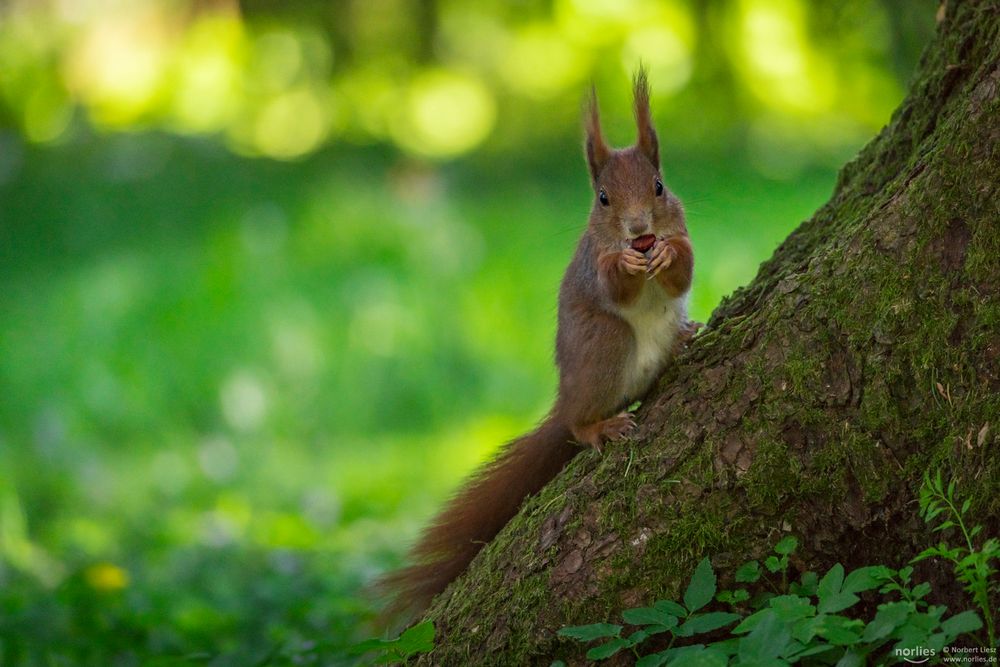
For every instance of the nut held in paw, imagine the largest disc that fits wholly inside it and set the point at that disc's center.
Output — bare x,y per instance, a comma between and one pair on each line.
643,243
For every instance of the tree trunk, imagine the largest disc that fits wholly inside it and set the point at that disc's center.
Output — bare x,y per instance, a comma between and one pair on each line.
866,351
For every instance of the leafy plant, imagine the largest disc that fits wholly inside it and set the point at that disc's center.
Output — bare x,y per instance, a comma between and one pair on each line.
791,622
974,568
665,616
415,640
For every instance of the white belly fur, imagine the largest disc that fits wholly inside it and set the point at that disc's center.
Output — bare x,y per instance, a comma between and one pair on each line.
655,318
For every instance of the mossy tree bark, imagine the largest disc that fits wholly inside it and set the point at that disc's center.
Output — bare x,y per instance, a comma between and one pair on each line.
865,352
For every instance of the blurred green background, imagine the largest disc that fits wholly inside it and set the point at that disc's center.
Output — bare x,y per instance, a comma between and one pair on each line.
274,276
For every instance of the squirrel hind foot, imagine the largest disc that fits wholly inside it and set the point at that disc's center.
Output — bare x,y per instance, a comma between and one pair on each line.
606,430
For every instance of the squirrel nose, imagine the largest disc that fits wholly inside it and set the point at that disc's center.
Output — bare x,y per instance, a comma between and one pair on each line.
638,228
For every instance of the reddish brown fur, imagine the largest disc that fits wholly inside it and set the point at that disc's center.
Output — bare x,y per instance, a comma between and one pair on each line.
676,278
594,345
622,287
476,514
596,150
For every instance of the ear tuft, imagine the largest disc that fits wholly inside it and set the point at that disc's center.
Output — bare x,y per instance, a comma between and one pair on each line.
597,151
647,141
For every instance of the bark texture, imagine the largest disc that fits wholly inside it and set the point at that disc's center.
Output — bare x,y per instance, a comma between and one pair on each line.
866,351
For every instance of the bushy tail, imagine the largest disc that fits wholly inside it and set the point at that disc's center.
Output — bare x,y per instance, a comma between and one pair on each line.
473,517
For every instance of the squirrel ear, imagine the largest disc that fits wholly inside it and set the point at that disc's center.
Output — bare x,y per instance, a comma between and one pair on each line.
597,151
647,141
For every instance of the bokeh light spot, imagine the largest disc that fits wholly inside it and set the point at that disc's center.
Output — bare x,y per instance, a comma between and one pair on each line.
106,577
540,62
292,124
206,92
664,53
781,67
244,401
119,67
445,114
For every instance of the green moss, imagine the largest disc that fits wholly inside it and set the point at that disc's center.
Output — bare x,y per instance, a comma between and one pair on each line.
826,478
772,476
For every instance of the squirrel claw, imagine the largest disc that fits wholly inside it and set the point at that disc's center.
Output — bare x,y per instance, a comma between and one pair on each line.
663,255
607,430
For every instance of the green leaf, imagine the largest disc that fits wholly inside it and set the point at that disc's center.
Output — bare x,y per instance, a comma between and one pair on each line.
671,607
837,602
713,620
369,645
418,639
751,622
586,633
388,658
890,616
932,511
557,663
748,573
967,621
831,582
767,641
760,599
786,545
865,579
810,650
741,595
792,607
921,590
700,656
839,630
607,649
947,524
653,659
808,584
851,659
804,630
772,563
638,637
701,590
728,646
649,616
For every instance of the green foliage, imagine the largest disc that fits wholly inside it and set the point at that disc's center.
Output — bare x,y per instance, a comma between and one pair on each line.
279,65
702,587
413,641
803,620
974,567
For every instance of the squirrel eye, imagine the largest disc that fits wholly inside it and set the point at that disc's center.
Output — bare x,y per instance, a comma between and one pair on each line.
603,197
659,187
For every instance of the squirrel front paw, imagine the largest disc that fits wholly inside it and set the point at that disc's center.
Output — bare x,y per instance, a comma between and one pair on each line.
661,257
632,262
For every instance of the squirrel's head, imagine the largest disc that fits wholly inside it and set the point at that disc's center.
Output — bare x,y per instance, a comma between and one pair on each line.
630,198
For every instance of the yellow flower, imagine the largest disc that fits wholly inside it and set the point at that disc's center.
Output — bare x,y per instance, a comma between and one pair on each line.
106,577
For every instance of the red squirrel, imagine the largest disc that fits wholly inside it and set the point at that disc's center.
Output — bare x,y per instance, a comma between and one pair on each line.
622,315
